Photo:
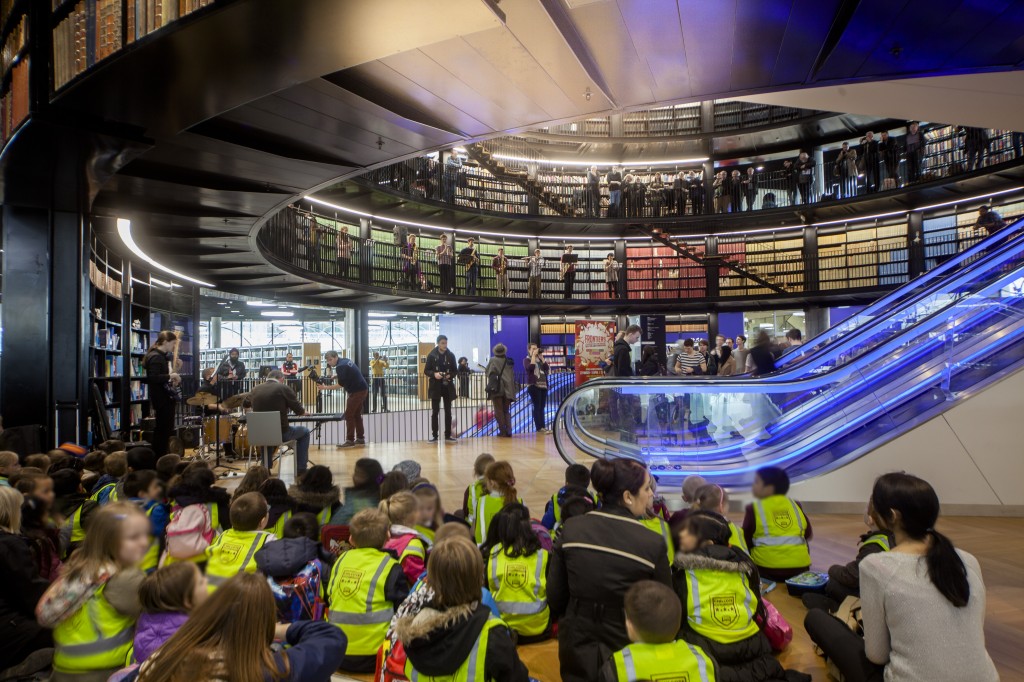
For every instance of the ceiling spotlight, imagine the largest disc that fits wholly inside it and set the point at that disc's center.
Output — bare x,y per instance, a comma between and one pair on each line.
276,313
587,94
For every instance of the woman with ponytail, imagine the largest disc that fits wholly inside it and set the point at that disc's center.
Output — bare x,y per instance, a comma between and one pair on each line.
923,603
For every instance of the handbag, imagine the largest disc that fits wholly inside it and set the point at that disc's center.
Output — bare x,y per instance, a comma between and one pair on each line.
775,628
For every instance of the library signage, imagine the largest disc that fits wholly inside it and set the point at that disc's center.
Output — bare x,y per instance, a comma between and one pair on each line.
594,341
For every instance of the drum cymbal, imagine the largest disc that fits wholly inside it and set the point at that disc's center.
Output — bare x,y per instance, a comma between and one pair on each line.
235,400
201,399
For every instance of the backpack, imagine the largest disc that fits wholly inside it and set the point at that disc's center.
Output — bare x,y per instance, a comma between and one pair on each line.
302,596
189,532
494,380
334,538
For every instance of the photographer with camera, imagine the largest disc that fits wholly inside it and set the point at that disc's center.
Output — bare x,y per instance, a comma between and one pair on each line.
441,367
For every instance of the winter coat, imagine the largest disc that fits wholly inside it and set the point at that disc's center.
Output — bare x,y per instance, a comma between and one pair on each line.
622,359
315,502
587,584
506,369
19,591
282,559
356,500
153,629
439,642
749,660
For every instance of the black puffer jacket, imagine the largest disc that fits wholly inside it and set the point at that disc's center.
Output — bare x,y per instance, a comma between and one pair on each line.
20,590
751,659
315,501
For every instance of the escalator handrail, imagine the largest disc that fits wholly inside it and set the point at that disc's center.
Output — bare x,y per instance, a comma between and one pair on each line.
901,298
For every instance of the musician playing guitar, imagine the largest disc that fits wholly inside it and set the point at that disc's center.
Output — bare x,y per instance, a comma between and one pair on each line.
469,258
164,383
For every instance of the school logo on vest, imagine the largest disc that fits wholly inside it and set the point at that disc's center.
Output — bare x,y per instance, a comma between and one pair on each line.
350,579
515,575
230,552
723,610
782,519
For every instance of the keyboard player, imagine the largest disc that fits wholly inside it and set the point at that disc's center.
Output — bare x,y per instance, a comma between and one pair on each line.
273,395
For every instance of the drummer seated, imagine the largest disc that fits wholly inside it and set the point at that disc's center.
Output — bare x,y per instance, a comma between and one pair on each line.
209,386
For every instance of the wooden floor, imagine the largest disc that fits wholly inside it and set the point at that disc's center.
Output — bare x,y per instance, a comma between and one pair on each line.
997,542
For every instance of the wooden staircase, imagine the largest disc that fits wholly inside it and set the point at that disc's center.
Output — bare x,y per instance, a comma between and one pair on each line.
660,235
529,185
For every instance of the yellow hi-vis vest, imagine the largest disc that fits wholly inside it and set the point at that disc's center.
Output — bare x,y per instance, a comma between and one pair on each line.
356,594
519,588
658,525
324,517
557,508
426,534
96,637
487,507
720,605
231,553
472,669
152,556
278,528
737,539
670,661
214,510
474,493
111,497
779,527
880,539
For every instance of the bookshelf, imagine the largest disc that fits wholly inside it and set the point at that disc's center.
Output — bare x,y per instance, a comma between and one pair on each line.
777,257
658,272
944,153
15,58
127,309
732,114
85,32
865,257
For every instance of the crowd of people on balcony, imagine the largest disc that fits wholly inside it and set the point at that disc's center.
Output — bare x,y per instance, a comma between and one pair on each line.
878,162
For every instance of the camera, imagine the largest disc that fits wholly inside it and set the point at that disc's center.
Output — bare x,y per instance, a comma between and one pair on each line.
446,378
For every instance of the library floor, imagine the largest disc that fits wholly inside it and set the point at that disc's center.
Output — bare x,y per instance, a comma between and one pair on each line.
997,542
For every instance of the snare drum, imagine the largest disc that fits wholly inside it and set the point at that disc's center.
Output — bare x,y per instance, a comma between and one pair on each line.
218,434
241,441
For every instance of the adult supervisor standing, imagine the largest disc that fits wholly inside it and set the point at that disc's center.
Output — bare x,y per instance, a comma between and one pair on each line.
274,396
440,368
162,380
351,379
598,557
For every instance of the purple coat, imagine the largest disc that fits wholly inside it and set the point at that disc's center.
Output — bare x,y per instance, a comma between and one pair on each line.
153,629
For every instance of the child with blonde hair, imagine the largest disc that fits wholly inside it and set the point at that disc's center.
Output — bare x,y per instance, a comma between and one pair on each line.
402,510
95,602
500,486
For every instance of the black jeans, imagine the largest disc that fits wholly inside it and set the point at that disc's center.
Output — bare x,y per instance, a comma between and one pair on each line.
843,646
435,406
343,266
380,387
568,281
539,397
447,278
163,411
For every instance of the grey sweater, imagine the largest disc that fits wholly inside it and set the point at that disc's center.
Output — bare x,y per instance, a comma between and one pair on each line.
913,630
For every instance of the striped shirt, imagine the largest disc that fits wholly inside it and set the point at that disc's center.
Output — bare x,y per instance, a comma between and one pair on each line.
684,360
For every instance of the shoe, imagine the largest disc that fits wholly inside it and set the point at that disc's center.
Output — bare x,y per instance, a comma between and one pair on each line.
360,441
432,439
35,662
347,444
546,431
451,439
385,410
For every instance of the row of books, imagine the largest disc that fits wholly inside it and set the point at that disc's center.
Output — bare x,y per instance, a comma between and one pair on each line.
107,366
14,105
139,390
105,338
140,342
104,282
14,43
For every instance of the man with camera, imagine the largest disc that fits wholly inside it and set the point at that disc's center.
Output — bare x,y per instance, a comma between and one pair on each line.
440,367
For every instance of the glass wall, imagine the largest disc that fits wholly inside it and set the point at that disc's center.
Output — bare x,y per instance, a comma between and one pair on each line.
250,333
775,322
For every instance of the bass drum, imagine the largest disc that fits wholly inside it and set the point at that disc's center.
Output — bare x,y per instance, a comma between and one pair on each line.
241,441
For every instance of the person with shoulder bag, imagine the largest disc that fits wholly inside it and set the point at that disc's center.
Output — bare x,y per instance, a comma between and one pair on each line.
501,389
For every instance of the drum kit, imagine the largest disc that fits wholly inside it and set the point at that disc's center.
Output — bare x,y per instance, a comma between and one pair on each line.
219,429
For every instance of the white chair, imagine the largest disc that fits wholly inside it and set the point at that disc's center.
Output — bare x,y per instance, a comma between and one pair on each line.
265,433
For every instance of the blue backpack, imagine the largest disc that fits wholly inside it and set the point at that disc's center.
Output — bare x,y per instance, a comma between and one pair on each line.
300,597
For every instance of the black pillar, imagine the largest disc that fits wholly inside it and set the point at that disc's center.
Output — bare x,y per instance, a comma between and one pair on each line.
533,322
620,256
712,327
810,254
915,245
711,268
44,356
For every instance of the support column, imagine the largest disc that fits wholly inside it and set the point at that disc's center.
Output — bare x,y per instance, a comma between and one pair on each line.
711,268
712,327
360,343
533,328
916,264
215,332
816,321
819,172
365,252
620,256
810,254
43,363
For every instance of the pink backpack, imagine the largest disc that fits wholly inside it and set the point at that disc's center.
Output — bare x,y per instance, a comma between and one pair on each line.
189,532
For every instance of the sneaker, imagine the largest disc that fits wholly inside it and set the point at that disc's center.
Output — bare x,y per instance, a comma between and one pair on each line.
546,431
432,439
348,444
451,439
360,441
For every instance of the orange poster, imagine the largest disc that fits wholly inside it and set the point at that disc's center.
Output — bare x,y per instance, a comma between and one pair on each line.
594,341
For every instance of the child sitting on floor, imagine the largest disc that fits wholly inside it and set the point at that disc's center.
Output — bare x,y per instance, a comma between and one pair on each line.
402,510
476,489
296,568
234,550
316,493
713,498
500,484
776,528
577,482
653,616
517,570
167,596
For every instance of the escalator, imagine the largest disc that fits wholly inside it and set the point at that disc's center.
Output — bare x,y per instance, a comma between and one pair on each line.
912,355
559,386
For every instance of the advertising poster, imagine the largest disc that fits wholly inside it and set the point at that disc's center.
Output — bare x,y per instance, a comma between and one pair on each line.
594,341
